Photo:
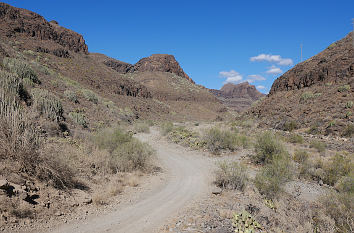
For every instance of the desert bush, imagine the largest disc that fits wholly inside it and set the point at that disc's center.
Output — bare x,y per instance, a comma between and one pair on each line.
126,152
337,167
79,118
130,156
300,156
47,104
21,68
295,138
349,104
72,96
346,183
141,127
290,126
344,88
339,206
267,147
314,129
273,175
348,131
318,145
90,95
306,96
166,128
231,175
185,137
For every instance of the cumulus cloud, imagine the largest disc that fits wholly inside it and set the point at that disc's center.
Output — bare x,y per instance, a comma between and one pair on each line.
255,77
231,76
272,58
260,87
274,70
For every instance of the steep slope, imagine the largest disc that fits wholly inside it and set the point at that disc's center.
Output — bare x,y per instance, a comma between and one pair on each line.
61,59
316,94
238,97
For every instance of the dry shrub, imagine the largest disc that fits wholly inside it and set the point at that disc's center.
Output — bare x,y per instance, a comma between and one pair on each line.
339,206
318,145
217,140
141,127
126,153
340,165
273,175
295,138
267,147
113,188
231,175
166,128
300,156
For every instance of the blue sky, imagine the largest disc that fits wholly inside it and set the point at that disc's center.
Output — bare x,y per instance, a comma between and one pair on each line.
214,41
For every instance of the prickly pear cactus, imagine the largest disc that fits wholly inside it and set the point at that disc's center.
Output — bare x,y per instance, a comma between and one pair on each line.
245,223
270,204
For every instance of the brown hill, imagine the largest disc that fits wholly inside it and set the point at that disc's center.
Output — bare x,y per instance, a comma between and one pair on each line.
60,58
238,97
316,94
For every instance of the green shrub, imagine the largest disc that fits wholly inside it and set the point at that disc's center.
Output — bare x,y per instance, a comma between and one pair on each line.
295,138
300,156
166,128
346,183
141,127
339,166
47,104
90,95
348,131
186,137
273,175
72,96
231,175
290,126
344,88
306,96
126,153
132,155
318,145
21,68
349,104
217,140
267,148
78,118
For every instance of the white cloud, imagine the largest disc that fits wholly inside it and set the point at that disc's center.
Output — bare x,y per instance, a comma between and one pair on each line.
272,58
255,77
231,76
274,70
260,87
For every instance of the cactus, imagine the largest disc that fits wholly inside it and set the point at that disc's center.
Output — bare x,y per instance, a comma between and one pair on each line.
79,118
270,204
244,222
21,68
90,95
47,104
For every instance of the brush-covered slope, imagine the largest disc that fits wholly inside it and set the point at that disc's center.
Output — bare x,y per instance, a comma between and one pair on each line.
238,97
316,94
64,66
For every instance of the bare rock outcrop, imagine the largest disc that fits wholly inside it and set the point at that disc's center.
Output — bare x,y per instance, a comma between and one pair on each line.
24,23
238,97
335,64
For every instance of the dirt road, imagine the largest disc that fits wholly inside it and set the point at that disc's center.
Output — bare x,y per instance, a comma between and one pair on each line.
187,179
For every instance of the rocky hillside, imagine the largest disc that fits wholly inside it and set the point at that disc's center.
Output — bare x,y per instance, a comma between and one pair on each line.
316,95
63,63
238,97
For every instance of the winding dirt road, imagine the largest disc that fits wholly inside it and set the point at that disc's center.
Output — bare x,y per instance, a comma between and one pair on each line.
188,178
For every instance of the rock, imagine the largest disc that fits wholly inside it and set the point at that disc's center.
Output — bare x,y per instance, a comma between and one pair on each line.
162,63
320,182
238,96
20,22
3,183
216,191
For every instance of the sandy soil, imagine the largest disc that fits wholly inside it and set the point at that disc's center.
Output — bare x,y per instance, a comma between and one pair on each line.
187,179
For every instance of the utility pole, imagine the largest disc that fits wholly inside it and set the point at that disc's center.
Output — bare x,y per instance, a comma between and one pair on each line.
301,52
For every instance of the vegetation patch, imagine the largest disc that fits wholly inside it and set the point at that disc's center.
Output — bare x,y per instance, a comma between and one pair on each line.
295,138
344,88
47,104
141,127
267,148
90,95
21,68
318,145
79,118
72,96
231,175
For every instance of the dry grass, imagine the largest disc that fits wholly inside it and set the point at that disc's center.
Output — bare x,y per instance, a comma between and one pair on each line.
231,175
